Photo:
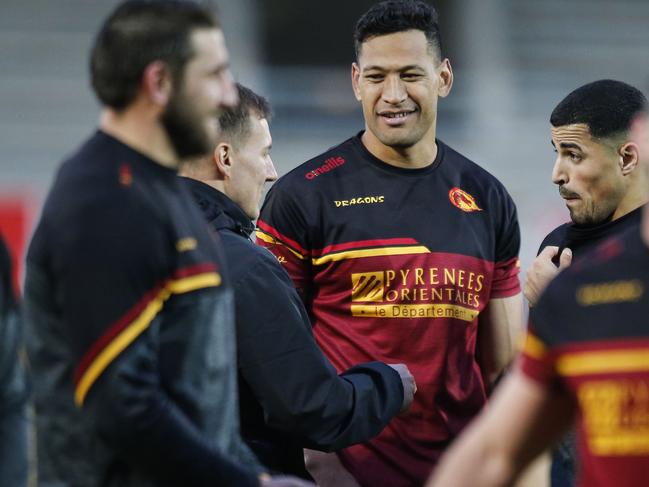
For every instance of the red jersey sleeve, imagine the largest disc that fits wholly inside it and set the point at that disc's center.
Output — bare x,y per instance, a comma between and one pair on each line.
508,242
536,360
282,229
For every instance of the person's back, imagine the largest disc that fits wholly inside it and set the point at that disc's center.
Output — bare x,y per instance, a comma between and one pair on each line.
588,337
585,361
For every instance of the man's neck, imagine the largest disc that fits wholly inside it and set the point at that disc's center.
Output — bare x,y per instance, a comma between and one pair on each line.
634,198
216,184
644,225
141,130
422,154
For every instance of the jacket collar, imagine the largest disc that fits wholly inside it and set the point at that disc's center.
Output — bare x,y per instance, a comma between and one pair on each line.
219,210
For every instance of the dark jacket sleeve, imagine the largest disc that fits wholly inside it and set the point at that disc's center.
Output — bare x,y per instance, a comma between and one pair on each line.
299,390
139,420
13,384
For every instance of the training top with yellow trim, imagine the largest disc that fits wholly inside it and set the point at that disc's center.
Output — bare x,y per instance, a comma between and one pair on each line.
396,265
130,330
590,341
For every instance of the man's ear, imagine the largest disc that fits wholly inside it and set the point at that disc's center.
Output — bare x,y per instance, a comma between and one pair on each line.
222,159
629,157
157,83
445,73
356,75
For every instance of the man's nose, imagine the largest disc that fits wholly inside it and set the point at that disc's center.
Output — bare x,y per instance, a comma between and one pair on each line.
394,90
271,173
559,175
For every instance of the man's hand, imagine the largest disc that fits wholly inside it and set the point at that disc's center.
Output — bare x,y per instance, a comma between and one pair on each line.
409,384
327,469
543,270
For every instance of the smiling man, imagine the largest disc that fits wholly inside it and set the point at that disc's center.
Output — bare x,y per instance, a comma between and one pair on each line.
598,175
420,265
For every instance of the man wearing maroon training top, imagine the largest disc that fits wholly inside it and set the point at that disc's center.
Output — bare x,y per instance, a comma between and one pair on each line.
403,250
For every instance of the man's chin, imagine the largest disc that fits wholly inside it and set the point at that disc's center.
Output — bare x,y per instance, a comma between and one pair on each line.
586,221
396,141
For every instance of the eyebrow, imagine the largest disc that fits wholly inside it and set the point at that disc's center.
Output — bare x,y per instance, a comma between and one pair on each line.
219,68
567,145
404,68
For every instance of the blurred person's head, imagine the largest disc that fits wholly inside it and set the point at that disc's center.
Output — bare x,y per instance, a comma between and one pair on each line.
400,73
169,54
240,164
597,165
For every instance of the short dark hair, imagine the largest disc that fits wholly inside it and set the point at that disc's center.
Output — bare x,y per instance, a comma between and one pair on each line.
393,16
606,106
137,33
235,122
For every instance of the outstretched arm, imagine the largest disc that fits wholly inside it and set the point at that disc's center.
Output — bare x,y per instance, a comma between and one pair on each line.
298,389
522,420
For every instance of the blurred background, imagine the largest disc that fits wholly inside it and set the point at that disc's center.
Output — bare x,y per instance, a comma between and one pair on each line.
514,60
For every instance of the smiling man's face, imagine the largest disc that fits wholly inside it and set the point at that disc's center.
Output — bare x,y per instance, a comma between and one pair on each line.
398,79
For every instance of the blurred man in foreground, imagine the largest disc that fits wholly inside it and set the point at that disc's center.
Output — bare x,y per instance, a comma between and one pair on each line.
131,333
585,357
598,173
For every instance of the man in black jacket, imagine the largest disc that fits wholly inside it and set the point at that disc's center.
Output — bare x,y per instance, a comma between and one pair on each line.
290,395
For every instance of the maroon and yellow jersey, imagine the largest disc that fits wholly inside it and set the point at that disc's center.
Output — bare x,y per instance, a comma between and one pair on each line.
590,340
396,265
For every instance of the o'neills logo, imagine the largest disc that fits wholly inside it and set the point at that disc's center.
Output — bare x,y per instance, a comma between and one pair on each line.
329,165
463,200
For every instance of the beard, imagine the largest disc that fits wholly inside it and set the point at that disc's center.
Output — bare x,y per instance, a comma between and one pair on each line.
185,129
592,215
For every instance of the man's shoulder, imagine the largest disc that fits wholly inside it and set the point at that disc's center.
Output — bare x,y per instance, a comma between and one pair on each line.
457,162
556,236
315,170
246,260
591,298
104,179
613,260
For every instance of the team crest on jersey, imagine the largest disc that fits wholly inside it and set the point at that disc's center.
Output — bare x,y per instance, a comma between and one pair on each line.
463,200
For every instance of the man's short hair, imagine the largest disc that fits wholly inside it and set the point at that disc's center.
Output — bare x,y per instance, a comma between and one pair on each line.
393,16
138,33
235,122
606,106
